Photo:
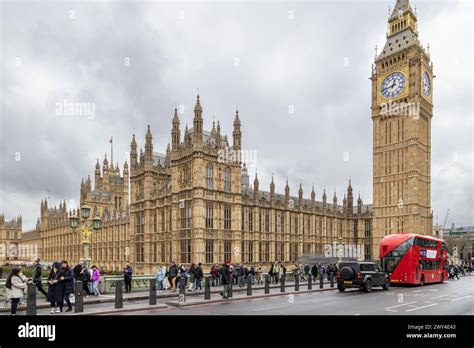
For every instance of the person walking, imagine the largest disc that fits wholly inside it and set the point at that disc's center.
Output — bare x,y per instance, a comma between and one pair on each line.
259,275
66,277
55,289
277,271
37,277
95,280
15,287
85,277
127,277
192,276
240,275
306,270
173,273
199,275
271,273
314,271
226,278
214,275
160,276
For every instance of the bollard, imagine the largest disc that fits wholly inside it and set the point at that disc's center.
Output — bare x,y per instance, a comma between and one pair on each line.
78,298
282,284
31,299
321,280
332,280
207,288
249,285
1,273
310,283
267,284
119,293
182,289
230,290
297,283
152,299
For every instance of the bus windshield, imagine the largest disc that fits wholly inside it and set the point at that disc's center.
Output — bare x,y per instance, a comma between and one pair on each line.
392,259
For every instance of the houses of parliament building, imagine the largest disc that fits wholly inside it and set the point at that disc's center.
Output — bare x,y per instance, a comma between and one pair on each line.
191,204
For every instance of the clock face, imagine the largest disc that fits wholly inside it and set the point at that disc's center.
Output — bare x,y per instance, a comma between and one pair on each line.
426,84
393,85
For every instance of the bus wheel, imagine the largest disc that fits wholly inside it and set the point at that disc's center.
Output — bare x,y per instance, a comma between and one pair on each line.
422,282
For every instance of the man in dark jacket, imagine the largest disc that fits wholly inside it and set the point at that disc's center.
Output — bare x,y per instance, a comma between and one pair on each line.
38,270
314,271
127,277
173,273
199,275
225,279
66,276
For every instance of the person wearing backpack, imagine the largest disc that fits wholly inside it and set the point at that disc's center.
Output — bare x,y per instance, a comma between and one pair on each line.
15,287
85,277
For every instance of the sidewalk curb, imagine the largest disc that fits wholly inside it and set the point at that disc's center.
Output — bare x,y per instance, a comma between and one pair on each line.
124,310
43,305
221,300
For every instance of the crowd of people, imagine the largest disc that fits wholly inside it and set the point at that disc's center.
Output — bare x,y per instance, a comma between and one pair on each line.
60,282
61,279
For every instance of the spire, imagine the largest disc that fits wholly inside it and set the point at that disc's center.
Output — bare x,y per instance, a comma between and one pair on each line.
272,190
300,194
197,122
334,200
125,168
237,134
133,152
148,146
325,197
105,163
255,185
313,195
287,191
175,132
218,134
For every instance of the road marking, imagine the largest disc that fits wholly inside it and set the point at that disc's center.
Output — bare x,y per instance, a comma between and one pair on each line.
403,304
460,298
268,308
415,309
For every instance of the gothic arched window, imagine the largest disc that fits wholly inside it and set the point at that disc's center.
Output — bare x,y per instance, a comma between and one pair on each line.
227,180
209,176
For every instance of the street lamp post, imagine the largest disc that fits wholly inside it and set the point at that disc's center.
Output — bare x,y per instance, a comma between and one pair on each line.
86,230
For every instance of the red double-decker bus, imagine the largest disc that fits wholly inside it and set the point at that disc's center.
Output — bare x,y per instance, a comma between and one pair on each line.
414,259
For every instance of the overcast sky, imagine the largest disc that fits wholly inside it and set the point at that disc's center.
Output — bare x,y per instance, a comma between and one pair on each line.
299,73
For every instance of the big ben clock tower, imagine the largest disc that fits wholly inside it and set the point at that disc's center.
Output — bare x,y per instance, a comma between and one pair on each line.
402,108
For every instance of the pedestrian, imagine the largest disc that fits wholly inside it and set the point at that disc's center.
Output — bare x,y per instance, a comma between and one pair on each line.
306,271
127,277
85,277
259,275
55,289
160,276
314,271
173,273
277,271
282,273
95,280
214,275
37,277
235,277
240,275
192,276
66,277
199,275
225,279
15,288
271,274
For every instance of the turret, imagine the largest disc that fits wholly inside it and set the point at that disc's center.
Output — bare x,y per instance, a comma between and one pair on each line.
359,205
287,192
255,187
334,201
313,197
300,196
237,134
350,199
133,153
197,122
97,175
218,135
148,147
272,190
175,132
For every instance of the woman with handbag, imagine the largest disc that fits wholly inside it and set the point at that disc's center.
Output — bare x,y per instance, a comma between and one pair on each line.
15,287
